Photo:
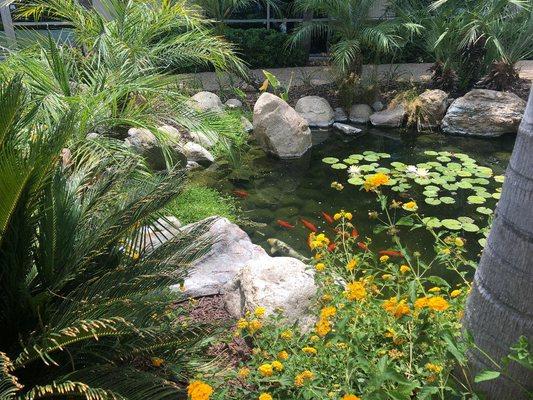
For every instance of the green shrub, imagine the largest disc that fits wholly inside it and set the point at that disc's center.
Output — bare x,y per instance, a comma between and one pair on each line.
197,203
265,48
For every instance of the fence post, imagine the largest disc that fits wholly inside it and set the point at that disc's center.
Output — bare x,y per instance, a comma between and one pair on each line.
7,22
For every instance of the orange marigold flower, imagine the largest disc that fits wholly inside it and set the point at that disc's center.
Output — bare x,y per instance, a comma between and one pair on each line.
266,369
350,397
421,302
265,396
375,181
396,308
328,312
438,303
355,291
283,355
198,390
323,327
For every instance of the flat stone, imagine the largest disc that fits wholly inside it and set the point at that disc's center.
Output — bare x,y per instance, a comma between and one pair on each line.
347,129
195,152
390,118
340,115
207,101
234,103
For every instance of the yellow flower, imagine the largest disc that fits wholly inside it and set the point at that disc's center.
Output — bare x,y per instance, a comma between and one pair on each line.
314,338
375,181
302,377
435,289
242,323
283,355
446,250
459,242
259,312
421,302
266,369
348,216
384,258
433,368
265,396
355,291
438,303
404,269
328,312
398,309
455,293
244,372
327,297
386,277
350,397
198,390
287,335
323,327
277,366
320,267
410,206
157,362
351,264
309,350
337,216
254,326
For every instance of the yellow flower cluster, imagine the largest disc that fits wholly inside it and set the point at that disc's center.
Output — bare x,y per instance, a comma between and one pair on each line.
328,312
343,214
283,355
350,397
266,369
375,181
351,264
404,269
384,258
436,303
244,372
303,377
355,291
437,369
286,335
323,327
455,293
265,396
198,390
318,241
320,267
396,308
309,350
254,324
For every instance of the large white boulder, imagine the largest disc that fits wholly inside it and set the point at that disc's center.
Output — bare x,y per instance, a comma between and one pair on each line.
195,152
433,106
279,129
389,118
360,113
316,111
277,283
207,101
482,112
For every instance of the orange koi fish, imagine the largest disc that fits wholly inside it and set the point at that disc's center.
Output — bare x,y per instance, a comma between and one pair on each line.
355,234
331,247
327,217
390,253
362,246
309,225
284,224
241,193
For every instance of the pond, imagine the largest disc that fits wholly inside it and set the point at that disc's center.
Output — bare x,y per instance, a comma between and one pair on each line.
296,189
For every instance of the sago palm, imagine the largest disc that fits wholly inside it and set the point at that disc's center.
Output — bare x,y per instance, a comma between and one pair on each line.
351,30
84,301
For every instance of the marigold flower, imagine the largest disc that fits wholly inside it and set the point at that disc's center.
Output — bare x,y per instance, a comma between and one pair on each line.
283,355
302,377
327,297
157,362
287,335
320,267
375,181
404,269
350,397
309,350
421,302
244,372
434,368
438,303
398,309
328,312
384,258
265,396
323,327
259,312
410,206
355,291
254,326
266,369
351,264
198,390
277,366
455,293
242,323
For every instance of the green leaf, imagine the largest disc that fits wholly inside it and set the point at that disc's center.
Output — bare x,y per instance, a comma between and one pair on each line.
330,160
339,166
486,376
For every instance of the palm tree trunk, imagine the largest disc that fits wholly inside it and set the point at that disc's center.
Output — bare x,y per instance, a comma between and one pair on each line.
500,307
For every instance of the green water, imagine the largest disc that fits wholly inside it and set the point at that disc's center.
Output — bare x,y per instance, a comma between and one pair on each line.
290,190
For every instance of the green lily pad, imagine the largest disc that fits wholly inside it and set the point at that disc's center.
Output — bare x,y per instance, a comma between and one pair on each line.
465,220
452,224
330,160
432,222
431,153
476,200
430,193
350,161
496,195
371,158
499,178
339,166
447,200
432,201
356,181
470,227
484,210
444,159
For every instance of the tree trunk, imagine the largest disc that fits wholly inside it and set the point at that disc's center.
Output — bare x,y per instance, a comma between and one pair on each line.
500,307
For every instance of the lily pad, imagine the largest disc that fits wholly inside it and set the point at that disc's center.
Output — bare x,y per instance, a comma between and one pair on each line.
452,224
499,178
476,200
356,181
496,195
339,166
484,210
447,200
470,227
330,160
432,201
432,222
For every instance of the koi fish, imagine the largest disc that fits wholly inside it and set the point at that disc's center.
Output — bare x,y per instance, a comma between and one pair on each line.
332,247
241,193
327,217
362,246
390,253
355,234
284,224
309,225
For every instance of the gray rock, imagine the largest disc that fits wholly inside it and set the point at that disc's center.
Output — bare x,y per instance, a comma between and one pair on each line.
347,129
360,113
144,142
316,111
195,152
246,125
193,166
204,140
93,136
171,133
390,118
486,113
161,231
234,103
279,283
433,106
207,101
378,106
340,115
279,129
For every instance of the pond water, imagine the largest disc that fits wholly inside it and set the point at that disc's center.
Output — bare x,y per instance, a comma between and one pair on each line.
295,189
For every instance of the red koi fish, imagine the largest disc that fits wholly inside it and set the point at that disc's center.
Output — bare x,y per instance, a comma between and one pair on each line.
332,247
390,253
309,225
362,246
284,224
241,193
355,234
328,218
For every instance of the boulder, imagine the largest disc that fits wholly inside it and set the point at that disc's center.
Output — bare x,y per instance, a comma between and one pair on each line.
347,129
340,115
390,118
279,129
316,111
207,101
486,113
195,152
203,140
246,125
360,113
234,103
433,106
171,133
193,166
378,106
161,231
276,283
144,142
